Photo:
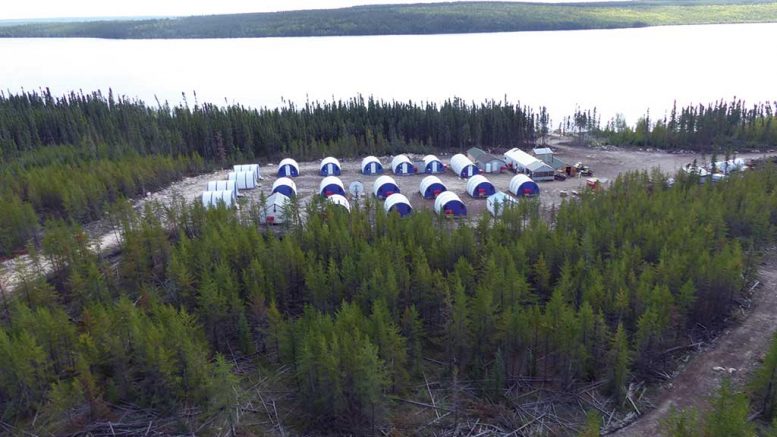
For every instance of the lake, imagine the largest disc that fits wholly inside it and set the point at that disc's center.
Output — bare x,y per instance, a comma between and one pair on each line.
619,71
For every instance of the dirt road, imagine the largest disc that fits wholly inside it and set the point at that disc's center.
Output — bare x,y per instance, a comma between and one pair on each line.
739,348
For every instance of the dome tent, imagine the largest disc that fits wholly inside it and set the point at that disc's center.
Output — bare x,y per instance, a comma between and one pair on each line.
398,202
288,168
384,186
479,186
432,164
371,165
463,167
449,204
331,185
401,165
431,187
339,200
522,185
285,186
330,167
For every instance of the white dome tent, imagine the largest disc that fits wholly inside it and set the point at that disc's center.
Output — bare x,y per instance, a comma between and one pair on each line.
339,200
331,185
384,186
288,168
479,186
432,164
222,186
449,205
330,167
398,202
285,186
244,180
371,165
463,167
214,199
431,187
401,165
522,185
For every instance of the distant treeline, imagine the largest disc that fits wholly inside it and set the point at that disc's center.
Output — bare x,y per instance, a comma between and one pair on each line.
417,19
713,128
342,128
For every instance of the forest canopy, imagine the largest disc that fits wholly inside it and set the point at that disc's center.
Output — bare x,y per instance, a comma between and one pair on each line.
349,312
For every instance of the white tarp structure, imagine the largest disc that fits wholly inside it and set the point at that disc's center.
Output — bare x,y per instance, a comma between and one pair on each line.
519,160
463,166
726,167
522,162
212,199
497,202
275,209
248,167
222,186
244,180
339,200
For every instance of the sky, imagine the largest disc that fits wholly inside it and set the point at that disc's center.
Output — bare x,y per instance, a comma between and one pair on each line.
14,9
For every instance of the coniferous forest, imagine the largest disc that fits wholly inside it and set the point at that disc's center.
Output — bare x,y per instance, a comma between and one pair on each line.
713,128
340,319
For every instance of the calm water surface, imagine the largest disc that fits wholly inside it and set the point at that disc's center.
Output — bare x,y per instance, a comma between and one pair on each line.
620,71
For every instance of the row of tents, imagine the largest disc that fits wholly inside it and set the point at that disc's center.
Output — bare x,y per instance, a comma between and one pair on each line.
461,164
242,177
400,165
431,187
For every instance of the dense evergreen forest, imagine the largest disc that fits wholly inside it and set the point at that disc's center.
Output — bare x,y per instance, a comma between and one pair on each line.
717,127
459,17
346,314
70,157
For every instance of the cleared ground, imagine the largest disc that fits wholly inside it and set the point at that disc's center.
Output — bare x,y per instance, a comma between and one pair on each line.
606,163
